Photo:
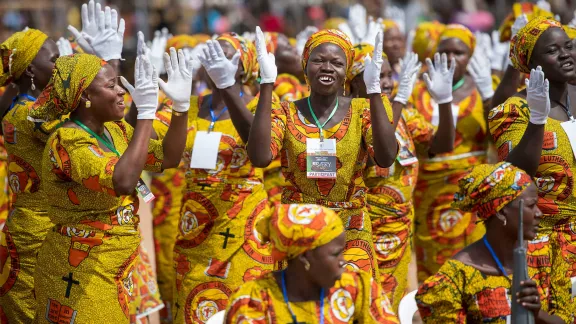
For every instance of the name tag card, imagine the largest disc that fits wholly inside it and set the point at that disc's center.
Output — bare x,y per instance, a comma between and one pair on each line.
205,152
144,191
320,158
570,129
405,156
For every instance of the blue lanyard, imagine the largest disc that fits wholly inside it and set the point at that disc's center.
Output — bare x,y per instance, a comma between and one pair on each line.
495,257
17,98
212,116
285,293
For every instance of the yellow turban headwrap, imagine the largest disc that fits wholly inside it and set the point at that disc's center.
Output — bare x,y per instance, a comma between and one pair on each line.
389,24
523,43
247,55
333,23
70,78
294,229
460,32
520,8
358,65
333,36
425,38
183,41
490,187
271,41
17,52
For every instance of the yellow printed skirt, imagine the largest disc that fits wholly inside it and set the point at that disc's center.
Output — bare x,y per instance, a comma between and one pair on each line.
441,231
218,247
392,237
563,250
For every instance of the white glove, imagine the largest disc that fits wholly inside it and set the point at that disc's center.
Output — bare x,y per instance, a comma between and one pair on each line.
483,44
249,36
267,62
374,27
408,75
145,92
179,85
481,74
221,70
537,95
500,52
545,5
158,48
90,20
398,15
192,55
410,40
64,47
373,67
357,21
303,37
345,28
439,78
520,22
572,22
107,44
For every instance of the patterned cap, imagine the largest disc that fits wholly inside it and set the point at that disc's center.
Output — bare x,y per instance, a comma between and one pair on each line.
523,43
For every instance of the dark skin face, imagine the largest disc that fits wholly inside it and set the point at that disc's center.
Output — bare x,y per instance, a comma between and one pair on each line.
106,96
287,58
43,64
394,45
555,53
531,216
358,87
326,262
326,61
455,48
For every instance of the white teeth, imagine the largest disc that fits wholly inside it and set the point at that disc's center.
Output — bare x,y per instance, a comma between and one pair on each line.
326,78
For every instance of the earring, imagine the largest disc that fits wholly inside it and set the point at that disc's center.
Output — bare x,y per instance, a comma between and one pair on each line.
33,86
504,221
344,86
88,104
307,265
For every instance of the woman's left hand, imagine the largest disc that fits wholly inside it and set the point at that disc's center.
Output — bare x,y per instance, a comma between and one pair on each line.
373,67
408,76
481,74
221,70
529,297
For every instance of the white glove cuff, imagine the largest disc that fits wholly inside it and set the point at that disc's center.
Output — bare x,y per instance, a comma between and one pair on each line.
181,107
268,80
226,83
537,119
444,100
373,90
486,93
401,99
110,57
147,114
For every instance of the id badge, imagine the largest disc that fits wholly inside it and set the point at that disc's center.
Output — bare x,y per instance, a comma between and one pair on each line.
320,158
144,191
405,156
570,130
436,114
205,152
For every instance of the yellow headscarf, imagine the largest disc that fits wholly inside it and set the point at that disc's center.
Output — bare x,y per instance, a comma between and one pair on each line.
389,24
247,55
460,32
425,38
295,229
271,41
333,36
70,78
523,43
521,8
490,187
183,41
333,23
17,52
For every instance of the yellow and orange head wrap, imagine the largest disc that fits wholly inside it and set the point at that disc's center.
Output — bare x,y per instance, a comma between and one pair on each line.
522,45
460,32
18,52
295,229
184,41
332,36
333,23
521,8
71,76
271,41
247,55
425,38
488,188
389,24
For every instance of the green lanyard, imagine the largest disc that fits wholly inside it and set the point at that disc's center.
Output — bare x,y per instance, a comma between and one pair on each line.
106,142
458,85
326,121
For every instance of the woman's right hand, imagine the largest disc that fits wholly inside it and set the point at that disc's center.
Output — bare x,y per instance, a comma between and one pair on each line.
537,95
267,62
439,78
179,85
221,70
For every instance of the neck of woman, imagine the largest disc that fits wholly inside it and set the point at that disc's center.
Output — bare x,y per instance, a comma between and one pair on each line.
503,247
88,120
298,285
558,91
24,87
323,104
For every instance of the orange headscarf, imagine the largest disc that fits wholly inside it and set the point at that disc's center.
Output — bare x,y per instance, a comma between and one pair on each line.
425,38
332,36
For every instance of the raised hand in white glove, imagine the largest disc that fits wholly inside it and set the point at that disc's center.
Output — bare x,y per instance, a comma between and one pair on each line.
192,55
357,21
537,95
64,47
267,62
345,28
572,23
145,90
398,15
483,44
179,85
158,48
221,70
374,27
107,44
410,40
373,67
408,75
439,78
520,22
481,75
543,4
500,52
90,19
303,37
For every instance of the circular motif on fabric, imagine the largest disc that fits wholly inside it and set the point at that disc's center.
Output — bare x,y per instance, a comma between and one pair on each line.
9,261
22,176
358,257
303,214
163,203
206,300
196,220
253,243
342,305
125,215
447,225
554,177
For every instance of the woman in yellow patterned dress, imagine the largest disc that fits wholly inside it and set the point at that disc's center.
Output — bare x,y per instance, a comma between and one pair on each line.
441,231
28,59
314,288
475,285
287,129
390,190
92,166
532,130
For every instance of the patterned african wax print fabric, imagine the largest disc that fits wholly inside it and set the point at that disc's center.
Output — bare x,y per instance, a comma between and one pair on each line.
390,204
355,298
18,52
442,230
460,293
92,267
554,178
529,9
346,193
28,225
217,247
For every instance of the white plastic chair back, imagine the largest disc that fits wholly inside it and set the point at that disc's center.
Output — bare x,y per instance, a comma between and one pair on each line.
407,308
217,318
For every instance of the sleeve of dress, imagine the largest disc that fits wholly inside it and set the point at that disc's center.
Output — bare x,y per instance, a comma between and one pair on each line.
279,113
561,303
507,124
155,155
439,300
246,306
367,121
375,308
420,129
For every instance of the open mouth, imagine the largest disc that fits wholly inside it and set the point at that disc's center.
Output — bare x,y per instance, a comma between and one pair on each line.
326,80
387,91
121,103
568,66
